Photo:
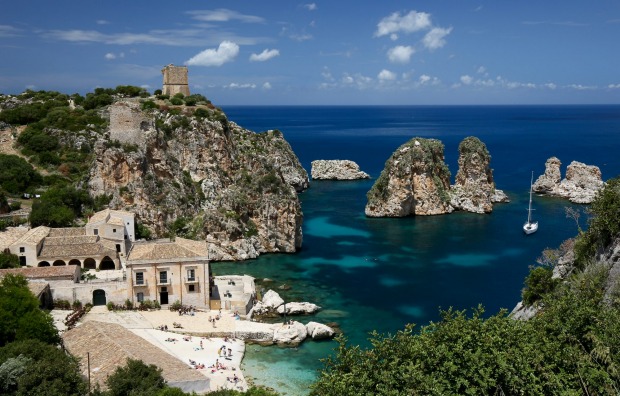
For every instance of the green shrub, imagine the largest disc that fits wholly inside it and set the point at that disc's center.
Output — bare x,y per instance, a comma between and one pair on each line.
176,101
149,104
175,306
201,113
537,284
62,304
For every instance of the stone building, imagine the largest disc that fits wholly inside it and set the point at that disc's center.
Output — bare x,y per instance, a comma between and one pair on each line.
101,244
168,271
175,80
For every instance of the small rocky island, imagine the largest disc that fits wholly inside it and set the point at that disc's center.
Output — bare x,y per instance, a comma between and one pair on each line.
416,181
337,170
581,184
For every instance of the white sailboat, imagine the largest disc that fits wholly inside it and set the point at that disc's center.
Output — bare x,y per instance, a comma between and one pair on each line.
530,227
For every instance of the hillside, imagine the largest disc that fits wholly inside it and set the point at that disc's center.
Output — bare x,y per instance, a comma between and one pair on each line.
178,163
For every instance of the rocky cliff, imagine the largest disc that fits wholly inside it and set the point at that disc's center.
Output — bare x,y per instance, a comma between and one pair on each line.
415,181
336,170
474,188
204,177
580,185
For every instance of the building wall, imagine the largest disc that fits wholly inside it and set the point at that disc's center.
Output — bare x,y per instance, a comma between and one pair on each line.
115,292
178,285
30,252
175,80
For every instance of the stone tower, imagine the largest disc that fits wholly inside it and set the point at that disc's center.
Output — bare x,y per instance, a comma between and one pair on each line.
175,80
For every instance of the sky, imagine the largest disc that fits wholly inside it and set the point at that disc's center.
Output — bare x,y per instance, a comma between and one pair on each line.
337,52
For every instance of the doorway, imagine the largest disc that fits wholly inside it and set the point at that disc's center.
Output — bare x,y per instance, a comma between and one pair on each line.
163,296
99,297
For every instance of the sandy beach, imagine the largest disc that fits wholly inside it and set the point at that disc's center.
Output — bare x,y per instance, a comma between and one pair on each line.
210,349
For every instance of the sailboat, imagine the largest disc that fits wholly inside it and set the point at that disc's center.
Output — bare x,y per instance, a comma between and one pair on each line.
530,227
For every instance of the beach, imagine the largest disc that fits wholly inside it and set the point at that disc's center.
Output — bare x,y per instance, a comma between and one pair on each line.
208,348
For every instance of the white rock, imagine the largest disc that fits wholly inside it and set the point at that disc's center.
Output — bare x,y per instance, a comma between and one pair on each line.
337,170
272,299
319,331
289,334
298,308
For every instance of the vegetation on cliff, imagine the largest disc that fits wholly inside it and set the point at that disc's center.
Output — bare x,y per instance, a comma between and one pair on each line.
570,347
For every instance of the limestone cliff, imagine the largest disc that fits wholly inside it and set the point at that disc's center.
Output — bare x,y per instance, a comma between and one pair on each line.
474,188
336,170
415,181
203,177
580,185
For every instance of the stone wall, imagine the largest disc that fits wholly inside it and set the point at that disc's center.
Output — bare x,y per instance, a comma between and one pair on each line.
115,292
127,123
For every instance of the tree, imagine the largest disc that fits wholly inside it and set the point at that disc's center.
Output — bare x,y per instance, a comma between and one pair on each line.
59,206
16,174
20,316
135,379
31,367
8,260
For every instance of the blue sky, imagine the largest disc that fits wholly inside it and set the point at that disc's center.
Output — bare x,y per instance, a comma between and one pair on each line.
319,52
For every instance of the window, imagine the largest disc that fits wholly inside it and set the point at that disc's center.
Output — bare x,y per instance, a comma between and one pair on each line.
113,229
191,288
191,275
140,297
163,277
139,278
118,248
95,231
22,249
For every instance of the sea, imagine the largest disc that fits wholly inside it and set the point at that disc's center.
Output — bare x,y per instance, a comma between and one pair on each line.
371,274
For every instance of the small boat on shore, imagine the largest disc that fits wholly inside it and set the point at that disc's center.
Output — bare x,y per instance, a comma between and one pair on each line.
530,227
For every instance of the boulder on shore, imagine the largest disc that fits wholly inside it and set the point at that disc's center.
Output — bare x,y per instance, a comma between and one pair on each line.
298,308
580,185
289,334
336,170
272,299
319,331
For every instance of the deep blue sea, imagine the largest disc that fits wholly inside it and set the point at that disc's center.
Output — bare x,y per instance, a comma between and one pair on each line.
380,274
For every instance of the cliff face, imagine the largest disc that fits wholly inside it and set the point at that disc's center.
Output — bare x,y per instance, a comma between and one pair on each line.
474,188
415,180
205,178
580,185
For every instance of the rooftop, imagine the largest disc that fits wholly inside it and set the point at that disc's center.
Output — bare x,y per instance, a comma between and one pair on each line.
106,213
42,272
35,235
75,250
63,232
166,249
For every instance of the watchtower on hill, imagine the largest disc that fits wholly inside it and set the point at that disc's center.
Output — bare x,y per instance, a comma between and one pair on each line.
175,80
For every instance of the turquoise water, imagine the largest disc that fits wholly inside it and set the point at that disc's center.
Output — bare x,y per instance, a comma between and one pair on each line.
380,274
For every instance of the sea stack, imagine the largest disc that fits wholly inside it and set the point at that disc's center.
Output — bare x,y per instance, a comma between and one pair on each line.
474,188
580,185
337,170
415,181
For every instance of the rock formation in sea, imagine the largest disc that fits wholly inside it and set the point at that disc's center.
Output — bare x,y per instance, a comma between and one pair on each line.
580,185
474,189
336,170
415,181
202,176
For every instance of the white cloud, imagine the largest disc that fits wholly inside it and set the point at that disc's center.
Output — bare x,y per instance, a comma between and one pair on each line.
467,80
226,52
8,31
435,38
409,23
267,85
481,70
580,87
102,22
223,15
613,86
393,36
265,55
424,79
240,86
112,56
386,75
400,54
300,37
357,80
551,86
310,6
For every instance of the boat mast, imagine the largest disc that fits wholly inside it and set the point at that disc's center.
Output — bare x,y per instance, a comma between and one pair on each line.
529,209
